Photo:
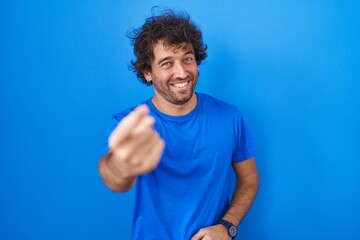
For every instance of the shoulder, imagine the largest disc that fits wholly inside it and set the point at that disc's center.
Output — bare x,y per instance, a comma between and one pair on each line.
118,116
215,104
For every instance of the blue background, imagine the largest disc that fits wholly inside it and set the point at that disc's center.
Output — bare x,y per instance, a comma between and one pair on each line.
291,66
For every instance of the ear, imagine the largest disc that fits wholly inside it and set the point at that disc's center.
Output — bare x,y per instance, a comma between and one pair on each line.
147,75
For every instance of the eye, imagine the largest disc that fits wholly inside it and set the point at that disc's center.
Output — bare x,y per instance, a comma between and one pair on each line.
166,64
189,59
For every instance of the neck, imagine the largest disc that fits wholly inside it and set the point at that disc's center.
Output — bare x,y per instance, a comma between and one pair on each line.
173,109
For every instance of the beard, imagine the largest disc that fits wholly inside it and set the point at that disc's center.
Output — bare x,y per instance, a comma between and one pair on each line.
176,97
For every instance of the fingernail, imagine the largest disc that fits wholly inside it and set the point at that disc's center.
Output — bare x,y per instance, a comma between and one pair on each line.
143,106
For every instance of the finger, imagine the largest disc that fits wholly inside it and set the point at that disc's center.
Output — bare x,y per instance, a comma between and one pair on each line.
153,157
125,126
146,156
134,152
143,125
199,235
143,138
141,164
135,147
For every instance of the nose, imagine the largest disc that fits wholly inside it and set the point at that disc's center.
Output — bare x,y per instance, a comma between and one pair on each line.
180,71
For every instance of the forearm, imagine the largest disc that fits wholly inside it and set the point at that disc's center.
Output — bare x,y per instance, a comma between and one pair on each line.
112,179
243,197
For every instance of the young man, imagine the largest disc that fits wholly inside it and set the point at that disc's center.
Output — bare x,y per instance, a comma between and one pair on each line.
178,148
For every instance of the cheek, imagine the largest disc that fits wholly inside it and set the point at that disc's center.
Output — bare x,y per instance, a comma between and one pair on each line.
193,69
163,77
159,80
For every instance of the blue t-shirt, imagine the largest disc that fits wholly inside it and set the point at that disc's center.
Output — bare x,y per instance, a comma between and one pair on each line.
189,189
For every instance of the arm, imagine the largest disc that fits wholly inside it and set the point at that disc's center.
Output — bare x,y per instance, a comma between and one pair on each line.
135,148
111,179
247,182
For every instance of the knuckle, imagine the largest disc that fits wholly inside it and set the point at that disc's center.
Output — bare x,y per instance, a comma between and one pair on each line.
150,164
152,134
135,161
121,155
157,137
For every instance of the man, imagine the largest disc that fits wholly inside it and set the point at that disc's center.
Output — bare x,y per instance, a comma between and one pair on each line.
178,148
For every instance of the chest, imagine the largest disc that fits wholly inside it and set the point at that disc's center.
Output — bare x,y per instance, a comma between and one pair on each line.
197,142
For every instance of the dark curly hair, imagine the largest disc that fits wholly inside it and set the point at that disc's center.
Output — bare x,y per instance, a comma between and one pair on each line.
169,26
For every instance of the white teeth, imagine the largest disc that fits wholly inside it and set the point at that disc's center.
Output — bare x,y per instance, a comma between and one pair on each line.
180,85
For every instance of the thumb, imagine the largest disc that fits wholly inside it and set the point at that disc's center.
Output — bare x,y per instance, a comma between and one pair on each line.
199,235
127,124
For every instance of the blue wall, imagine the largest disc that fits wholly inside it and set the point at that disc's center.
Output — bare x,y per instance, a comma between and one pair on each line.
293,67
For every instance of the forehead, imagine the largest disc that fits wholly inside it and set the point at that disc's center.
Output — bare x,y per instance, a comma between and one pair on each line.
162,49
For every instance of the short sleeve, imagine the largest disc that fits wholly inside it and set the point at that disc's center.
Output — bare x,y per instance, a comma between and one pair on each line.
116,118
245,146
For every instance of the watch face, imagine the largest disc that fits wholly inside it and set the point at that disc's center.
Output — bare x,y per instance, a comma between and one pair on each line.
233,231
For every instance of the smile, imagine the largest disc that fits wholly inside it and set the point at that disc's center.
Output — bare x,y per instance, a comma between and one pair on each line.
180,85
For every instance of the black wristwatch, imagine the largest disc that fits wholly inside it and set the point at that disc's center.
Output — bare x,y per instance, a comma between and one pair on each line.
232,229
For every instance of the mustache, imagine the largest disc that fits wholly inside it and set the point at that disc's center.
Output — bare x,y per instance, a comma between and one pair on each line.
177,80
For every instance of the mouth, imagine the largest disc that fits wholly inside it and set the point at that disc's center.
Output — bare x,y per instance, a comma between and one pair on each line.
181,85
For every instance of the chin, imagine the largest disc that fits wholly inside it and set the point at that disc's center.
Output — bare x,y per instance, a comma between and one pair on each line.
183,100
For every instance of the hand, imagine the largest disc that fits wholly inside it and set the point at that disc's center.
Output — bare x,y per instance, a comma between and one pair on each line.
216,232
135,147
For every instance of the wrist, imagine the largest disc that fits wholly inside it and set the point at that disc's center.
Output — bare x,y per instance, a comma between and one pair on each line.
113,179
231,228
116,168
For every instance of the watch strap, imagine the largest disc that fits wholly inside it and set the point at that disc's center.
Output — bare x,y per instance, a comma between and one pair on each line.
225,223
232,229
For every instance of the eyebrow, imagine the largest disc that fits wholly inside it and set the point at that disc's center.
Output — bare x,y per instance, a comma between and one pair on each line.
163,60
190,52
